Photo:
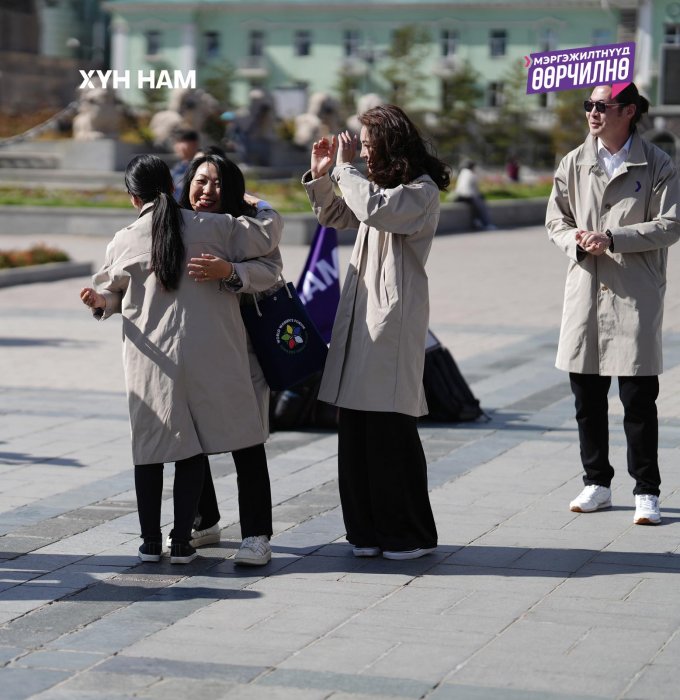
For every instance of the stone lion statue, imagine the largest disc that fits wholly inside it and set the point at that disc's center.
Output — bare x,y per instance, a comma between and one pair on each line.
321,118
188,108
100,115
364,103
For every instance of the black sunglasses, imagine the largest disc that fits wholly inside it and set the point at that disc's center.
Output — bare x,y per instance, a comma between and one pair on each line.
600,106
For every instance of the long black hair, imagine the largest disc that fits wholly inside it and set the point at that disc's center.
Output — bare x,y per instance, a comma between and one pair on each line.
399,152
149,178
232,185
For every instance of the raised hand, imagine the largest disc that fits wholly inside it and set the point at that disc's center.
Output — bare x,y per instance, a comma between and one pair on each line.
323,155
348,147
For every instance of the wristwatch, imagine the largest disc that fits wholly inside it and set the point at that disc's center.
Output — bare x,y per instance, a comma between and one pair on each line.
611,240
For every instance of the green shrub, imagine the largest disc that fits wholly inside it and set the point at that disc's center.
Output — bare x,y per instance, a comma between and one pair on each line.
36,255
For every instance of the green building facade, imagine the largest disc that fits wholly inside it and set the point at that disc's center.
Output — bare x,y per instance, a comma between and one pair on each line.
311,45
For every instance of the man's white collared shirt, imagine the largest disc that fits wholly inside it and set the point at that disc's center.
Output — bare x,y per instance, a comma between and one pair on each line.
611,163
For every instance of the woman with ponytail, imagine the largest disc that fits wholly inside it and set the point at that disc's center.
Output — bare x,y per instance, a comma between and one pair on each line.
216,184
184,345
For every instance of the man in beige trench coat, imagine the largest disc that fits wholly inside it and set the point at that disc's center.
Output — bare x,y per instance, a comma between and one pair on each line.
614,212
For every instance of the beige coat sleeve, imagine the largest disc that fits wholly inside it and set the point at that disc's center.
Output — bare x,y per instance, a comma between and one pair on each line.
329,209
663,227
250,237
559,219
401,210
260,274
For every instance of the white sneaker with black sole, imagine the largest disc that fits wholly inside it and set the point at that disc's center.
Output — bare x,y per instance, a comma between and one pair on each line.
592,498
254,551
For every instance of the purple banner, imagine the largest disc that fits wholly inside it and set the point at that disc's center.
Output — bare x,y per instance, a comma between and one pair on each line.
319,284
570,69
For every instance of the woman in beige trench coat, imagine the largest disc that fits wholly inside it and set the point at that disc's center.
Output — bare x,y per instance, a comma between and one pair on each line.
216,185
374,370
184,344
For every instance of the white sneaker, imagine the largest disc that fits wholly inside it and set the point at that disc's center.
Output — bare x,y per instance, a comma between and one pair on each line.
199,538
409,553
592,498
211,535
647,510
254,551
366,551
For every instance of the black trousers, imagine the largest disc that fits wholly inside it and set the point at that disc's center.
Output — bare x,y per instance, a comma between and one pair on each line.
254,494
640,423
383,481
186,490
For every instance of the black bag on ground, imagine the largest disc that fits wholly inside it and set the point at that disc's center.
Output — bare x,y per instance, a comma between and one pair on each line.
448,395
298,407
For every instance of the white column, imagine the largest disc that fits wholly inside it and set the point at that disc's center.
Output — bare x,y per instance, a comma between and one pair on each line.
188,52
119,45
643,46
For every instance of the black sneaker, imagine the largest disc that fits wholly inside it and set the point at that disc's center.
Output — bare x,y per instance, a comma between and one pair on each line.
182,553
151,551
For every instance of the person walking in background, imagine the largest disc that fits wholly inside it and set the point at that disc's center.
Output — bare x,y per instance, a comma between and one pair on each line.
613,211
467,190
374,370
216,185
185,144
184,346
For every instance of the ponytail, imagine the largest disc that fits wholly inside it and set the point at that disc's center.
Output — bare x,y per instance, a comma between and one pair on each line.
148,178
167,245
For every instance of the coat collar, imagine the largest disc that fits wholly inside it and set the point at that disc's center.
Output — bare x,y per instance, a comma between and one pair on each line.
588,152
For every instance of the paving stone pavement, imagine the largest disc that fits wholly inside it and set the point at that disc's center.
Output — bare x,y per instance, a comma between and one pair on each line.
523,600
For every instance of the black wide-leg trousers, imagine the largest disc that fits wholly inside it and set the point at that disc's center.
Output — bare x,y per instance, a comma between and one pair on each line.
383,481
640,423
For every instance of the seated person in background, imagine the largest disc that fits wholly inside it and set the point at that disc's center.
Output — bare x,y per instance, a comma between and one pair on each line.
467,190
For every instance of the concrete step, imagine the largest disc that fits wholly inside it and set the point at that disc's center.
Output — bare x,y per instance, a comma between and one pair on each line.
30,160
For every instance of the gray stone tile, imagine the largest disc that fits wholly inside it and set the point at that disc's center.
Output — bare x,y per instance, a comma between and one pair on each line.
21,683
397,687
157,667
451,691
60,660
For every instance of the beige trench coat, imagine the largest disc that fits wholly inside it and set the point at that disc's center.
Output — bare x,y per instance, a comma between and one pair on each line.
184,351
613,303
377,349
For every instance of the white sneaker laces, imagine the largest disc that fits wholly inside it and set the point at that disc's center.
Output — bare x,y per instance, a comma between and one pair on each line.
257,544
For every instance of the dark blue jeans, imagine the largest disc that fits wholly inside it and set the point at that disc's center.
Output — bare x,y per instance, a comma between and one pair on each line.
640,423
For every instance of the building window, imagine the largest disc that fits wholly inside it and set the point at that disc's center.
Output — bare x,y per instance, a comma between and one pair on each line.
256,44
449,42
671,34
303,42
498,39
547,40
495,94
627,29
212,44
153,43
350,42
601,36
